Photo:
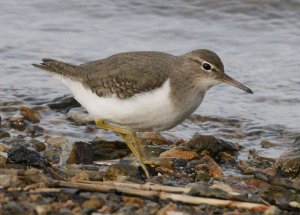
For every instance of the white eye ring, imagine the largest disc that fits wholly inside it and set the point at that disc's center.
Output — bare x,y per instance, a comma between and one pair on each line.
206,66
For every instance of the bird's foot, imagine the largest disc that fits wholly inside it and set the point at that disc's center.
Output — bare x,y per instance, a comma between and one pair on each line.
133,142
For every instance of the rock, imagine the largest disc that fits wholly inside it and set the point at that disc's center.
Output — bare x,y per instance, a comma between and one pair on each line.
64,103
30,114
81,153
297,142
35,131
179,154
93,203
240,186
222,186
39,146
168,209
2,159
25,156
65,211
109,150
53,155
18,124
153,151
43,209
225,157
289,162
267,144
80,176
56,141
14,208
154,138
80,116
4,134
205,191
120,172
3,148
214,170
133,201
209,144
257,183
75,171
202,176
280,196
10,181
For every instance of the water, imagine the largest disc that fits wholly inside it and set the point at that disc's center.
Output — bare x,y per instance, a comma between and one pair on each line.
258,42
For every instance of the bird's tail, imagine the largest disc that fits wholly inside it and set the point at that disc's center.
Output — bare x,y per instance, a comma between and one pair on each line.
61,68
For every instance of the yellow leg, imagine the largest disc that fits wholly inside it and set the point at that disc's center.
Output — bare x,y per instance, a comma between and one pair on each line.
130,138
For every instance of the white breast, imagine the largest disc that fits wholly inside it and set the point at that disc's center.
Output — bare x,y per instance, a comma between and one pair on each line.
145,111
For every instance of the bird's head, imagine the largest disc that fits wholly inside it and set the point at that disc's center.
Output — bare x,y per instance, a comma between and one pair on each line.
210,69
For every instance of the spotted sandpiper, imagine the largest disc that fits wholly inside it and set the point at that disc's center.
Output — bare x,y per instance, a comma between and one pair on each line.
142,91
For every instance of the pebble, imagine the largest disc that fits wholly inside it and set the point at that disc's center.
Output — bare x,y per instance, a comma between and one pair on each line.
179,154
93,203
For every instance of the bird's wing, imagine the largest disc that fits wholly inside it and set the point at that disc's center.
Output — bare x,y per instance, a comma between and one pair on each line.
126,74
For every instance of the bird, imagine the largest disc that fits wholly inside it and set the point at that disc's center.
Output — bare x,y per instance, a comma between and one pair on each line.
142,91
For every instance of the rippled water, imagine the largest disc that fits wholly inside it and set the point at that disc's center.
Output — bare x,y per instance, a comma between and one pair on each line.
258,42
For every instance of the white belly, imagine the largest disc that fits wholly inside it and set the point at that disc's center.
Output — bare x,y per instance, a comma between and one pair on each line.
151,111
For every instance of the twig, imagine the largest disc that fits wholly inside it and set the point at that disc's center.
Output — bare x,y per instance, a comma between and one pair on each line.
214,202
138,190
146,186
45,190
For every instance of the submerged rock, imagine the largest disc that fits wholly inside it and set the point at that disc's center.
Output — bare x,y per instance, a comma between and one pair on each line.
4,134
53,155
39,146
3,148
80,116
267,144
289,162
18,124
30,114
64,103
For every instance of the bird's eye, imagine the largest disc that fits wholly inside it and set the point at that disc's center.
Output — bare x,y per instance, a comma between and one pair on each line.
206,66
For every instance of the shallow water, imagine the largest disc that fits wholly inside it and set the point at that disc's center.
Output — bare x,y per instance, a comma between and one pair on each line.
258,42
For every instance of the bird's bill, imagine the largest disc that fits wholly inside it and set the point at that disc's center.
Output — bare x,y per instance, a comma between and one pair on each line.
227,79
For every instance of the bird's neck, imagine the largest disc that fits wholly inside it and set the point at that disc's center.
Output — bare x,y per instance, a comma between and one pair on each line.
186,92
